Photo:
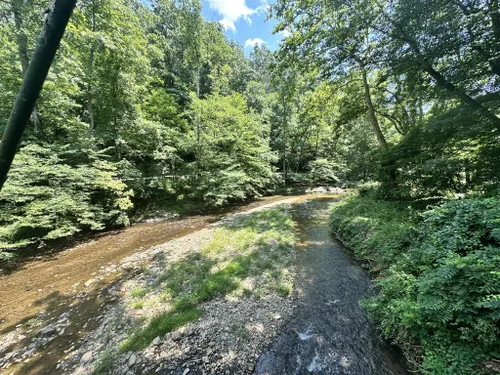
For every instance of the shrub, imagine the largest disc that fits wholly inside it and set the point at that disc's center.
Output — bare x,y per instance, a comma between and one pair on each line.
377,230
442,289
46,197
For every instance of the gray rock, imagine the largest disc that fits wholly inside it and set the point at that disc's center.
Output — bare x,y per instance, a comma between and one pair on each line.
48,330
132,360
8,355
186,371
157,341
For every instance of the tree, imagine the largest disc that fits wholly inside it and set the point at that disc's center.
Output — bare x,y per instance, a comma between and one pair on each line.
34,77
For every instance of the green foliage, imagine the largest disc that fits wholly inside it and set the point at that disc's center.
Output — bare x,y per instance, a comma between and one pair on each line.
375,229
324,171
47,198
232,156
439,283
451,153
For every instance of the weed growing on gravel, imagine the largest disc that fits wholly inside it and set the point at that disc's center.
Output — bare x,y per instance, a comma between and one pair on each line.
138,292
158,326
257,247
283,290
139,305
105,362
241,332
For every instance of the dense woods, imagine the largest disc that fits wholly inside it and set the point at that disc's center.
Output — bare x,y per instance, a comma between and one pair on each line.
154,104
150,105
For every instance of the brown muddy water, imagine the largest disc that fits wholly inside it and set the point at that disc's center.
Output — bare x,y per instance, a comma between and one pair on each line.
35,291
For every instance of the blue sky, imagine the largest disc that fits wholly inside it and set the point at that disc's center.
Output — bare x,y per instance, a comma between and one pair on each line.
244,21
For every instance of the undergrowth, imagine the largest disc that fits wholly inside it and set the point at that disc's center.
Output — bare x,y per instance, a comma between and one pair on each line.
439,277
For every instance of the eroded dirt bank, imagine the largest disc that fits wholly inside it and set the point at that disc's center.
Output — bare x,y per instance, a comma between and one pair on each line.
42,282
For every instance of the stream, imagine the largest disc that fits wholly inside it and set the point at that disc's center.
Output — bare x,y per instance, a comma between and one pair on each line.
330,333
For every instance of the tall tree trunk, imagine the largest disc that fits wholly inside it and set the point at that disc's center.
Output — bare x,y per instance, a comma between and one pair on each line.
285,123
22,45
47,44
90,97
371,109
458,93
198,72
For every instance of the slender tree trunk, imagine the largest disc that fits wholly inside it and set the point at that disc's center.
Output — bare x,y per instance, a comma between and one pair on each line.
371,109
458,93
448,86
47,44
91,77
198,72
420,110
22,45
285,122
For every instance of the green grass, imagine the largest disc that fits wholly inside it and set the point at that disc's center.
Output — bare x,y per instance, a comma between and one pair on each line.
105,362
159,326
138,292
251,246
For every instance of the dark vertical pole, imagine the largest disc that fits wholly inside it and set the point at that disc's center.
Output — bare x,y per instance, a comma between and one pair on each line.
46,47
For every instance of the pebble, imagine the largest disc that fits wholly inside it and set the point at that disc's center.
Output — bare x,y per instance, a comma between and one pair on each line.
132,360
86,357
186,371
157,341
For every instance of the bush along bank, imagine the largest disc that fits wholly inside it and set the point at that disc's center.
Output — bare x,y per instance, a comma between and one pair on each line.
438,275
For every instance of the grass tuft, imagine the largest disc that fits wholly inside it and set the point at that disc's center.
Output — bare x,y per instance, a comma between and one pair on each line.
159,326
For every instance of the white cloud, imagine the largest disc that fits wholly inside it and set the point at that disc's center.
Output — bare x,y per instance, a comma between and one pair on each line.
228,25
254,42
231,11
285,33
263,8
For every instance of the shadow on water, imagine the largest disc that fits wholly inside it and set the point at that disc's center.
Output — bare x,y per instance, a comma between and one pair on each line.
330,333
70,319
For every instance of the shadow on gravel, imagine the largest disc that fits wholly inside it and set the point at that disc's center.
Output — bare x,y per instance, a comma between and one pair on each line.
253,245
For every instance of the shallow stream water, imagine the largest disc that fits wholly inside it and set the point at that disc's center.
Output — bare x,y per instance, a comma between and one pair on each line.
330,333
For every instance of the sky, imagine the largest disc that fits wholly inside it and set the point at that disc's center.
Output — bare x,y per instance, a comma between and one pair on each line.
244,21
